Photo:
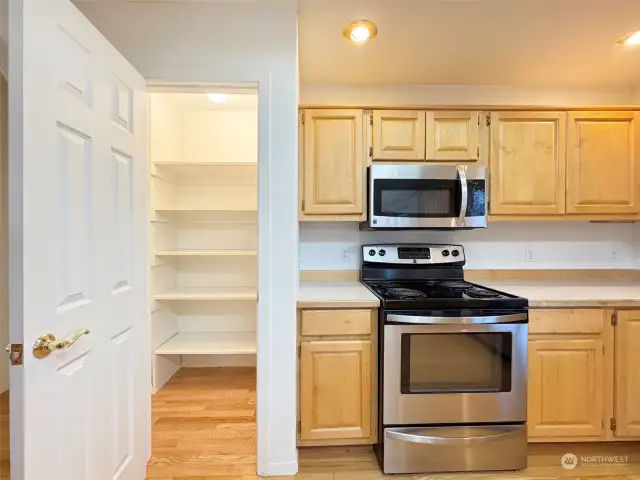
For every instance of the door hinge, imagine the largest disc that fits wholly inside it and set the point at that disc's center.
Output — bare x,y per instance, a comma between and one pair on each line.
302,118
371,119
488,120
303,205
614,318
613,426
370,152
15,351
298,427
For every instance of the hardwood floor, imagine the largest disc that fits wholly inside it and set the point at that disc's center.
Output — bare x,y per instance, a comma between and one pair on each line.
204,425
4,436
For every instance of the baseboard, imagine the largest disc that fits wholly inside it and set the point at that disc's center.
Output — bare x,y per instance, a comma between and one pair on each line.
164,367
195,361
280,469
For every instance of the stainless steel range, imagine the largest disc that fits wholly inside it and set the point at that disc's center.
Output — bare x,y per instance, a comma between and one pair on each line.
453,364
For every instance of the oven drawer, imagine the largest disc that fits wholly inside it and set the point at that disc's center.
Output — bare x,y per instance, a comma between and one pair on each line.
335,322
454,448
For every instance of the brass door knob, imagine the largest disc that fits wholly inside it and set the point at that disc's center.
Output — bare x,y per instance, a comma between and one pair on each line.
48,343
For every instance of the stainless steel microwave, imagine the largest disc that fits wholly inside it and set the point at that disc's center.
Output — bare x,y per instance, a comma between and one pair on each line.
423,196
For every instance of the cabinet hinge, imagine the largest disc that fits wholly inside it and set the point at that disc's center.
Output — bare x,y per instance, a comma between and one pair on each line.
303,205
478,119
613,426
488,120
298,351
302,118
371,119
370,152
15,353
614,318
298,427
478,157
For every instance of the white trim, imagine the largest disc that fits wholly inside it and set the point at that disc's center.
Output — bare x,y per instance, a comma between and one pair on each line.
280,469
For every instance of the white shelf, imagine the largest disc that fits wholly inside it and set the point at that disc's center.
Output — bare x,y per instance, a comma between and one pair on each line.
188,216
207,253
209,293
209,344
203,173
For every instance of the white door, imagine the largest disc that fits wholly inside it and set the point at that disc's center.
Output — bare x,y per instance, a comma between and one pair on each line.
78,237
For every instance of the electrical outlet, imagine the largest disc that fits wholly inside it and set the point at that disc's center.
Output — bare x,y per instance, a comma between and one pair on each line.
346,255
528,255
614,255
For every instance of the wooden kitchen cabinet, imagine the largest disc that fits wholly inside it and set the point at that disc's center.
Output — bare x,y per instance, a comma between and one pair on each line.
627,375
332,165
527,163
569,354
603,170
453,136
337,377
398,135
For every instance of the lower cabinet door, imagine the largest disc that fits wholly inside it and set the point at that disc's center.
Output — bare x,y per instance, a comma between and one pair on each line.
566,381
627,375
335,390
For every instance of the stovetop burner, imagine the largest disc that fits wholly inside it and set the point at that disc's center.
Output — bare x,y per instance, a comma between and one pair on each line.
395,290
402,293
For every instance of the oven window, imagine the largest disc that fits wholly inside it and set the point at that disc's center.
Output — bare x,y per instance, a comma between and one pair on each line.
456,363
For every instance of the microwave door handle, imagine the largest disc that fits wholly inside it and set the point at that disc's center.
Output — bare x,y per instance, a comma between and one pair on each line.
464,190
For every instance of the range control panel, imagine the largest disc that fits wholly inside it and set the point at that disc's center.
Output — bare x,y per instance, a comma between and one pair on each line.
414,254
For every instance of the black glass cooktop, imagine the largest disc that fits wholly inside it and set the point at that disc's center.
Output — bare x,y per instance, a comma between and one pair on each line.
427,293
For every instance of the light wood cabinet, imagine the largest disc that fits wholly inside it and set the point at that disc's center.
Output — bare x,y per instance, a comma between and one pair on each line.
566,388
527,163
568,359
453,136
398,135
603,173
333,166
337,377
335,390
627,375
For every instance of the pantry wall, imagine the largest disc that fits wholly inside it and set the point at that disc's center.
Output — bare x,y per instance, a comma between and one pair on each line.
203,164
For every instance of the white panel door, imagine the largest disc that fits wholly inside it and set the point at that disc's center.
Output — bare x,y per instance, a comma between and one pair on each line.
78,210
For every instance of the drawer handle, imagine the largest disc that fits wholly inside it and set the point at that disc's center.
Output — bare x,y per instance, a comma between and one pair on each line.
413,438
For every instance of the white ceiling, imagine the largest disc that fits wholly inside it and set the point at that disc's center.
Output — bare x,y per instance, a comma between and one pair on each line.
471,42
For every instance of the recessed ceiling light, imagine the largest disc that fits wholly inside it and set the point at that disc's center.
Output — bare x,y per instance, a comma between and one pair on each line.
218,97
630,39
360,31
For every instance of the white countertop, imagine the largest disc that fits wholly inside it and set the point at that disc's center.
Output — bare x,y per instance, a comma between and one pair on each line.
336,294
541,294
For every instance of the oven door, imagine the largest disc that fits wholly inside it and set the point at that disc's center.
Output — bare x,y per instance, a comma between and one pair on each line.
442,374
427,196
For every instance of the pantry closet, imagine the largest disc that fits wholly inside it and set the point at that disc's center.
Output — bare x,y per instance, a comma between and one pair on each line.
204,238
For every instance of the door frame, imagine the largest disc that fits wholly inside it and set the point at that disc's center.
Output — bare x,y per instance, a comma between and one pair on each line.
276,360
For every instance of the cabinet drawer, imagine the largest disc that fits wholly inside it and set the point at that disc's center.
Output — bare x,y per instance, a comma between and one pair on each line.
578,320
335,322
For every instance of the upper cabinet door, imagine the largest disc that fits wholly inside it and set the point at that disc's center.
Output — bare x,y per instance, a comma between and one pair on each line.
333,162
603,174
627,374
398,135
528,163
453,136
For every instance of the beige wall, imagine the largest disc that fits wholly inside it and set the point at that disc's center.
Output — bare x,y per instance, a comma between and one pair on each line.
4,294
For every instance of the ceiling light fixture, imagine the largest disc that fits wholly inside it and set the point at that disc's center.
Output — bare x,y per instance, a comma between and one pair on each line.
630,39
218,97
360,31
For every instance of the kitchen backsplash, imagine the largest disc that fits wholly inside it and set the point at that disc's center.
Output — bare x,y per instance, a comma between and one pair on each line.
533,245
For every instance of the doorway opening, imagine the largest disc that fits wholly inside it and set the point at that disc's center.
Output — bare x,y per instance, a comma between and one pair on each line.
203,281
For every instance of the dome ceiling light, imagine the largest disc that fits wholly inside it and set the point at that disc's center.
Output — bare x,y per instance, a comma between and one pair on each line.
360,31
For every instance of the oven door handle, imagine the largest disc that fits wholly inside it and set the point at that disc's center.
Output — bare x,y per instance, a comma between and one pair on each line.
464,194
510,318
407,436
